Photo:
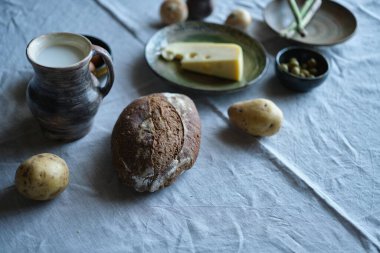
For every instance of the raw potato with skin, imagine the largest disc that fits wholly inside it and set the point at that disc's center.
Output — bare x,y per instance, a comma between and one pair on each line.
239,18
173,11
42,177
259,117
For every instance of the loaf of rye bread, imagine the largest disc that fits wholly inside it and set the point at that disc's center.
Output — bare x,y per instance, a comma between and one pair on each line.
155,139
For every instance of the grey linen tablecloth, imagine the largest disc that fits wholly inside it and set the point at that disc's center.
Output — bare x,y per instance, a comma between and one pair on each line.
314,187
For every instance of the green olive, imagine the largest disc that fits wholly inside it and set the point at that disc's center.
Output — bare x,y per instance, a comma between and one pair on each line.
305,72
295,70
293,62
313,71
284,67
312,63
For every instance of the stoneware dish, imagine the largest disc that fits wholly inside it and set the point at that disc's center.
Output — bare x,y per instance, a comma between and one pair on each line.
255,58
332,24
302,54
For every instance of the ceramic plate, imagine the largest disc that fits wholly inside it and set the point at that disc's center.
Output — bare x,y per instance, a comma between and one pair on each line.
332,24
255,59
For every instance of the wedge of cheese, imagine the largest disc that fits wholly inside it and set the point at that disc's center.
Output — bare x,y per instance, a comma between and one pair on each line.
223,60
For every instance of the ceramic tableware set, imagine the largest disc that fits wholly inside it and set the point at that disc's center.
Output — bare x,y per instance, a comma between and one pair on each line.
157,137
64,95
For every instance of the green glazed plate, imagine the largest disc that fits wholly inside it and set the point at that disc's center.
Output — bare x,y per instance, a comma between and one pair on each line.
255,59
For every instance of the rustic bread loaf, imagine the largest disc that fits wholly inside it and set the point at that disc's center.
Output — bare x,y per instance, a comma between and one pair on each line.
155,139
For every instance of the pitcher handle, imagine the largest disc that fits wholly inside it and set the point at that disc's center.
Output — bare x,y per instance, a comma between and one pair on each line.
110,73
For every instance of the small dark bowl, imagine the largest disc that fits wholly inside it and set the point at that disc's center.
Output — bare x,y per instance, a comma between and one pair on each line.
302,54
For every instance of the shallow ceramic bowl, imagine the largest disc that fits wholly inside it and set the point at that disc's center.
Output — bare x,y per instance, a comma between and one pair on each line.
302,54
255,58
332,24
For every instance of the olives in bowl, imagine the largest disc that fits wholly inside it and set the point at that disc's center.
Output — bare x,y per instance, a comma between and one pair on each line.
301,69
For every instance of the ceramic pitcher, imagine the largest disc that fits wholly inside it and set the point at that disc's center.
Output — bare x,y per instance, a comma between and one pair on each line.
63,95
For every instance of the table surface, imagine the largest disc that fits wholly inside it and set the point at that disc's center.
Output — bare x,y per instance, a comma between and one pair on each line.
313,187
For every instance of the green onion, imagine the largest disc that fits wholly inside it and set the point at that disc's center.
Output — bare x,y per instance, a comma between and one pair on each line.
306,13
297,16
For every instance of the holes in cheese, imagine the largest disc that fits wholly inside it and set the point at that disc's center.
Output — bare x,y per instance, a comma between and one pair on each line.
223,60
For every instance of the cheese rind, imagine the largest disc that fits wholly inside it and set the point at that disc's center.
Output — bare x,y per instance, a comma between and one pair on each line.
223,60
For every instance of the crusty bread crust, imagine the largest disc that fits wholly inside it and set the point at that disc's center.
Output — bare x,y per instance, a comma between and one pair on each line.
155,139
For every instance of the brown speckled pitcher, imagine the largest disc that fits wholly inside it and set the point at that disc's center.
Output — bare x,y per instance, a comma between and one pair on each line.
63,95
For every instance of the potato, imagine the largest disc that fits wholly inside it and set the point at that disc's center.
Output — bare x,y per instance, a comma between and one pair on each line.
92,67
259,117
42,177
173,11
239,18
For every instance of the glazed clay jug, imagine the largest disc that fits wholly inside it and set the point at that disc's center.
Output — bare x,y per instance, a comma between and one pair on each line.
63,95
